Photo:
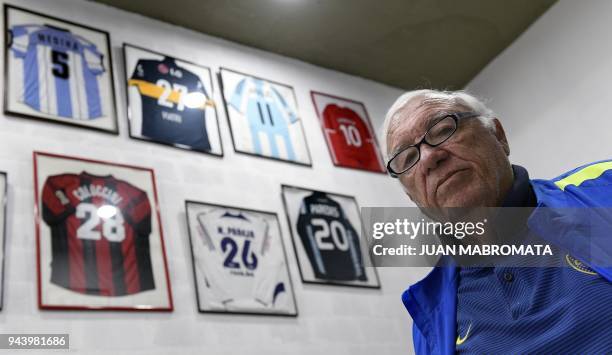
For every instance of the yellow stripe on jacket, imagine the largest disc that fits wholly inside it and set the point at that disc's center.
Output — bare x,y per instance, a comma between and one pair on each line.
587,173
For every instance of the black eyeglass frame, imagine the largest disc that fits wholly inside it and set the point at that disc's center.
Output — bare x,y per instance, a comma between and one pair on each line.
455,116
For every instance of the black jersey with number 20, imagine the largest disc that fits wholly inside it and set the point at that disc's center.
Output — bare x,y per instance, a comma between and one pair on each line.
329,239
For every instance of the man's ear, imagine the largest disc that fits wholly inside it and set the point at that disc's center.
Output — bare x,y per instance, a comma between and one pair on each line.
500,134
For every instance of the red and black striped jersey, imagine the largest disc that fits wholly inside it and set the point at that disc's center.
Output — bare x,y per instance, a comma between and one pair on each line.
100,230
350,140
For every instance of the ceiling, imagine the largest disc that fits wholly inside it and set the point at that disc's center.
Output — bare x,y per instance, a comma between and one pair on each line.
405,43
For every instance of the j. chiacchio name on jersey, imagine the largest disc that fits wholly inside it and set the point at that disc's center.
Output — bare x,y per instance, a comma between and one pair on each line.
100,230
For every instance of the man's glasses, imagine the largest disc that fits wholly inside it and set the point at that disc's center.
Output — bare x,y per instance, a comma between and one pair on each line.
438,133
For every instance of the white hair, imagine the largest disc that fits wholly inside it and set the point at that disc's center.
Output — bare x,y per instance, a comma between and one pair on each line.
392,119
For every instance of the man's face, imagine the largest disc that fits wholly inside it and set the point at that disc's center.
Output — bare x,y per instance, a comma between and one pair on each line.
471,169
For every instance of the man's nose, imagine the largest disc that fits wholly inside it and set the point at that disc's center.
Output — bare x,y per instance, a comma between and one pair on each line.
432,157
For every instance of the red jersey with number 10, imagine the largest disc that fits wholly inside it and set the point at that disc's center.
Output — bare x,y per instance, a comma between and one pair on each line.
351,142
100,230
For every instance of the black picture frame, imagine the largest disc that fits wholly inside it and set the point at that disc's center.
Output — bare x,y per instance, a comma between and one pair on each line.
294,237
3,229
42,117
193,262
229,123
129,104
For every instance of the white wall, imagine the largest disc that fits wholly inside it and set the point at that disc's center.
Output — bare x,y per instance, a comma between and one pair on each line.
551,89
332,319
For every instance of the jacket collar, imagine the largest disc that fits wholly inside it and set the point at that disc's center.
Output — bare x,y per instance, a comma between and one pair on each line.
521,192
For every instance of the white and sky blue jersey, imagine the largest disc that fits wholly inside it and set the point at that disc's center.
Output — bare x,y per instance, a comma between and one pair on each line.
268,115
60,71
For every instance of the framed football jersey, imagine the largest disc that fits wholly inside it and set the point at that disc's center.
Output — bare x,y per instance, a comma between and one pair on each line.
58,71
99,238
239,261
3,203
348,132
325,233
263,118
170,101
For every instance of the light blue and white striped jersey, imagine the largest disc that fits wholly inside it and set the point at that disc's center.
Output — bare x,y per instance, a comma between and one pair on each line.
268,115
60,71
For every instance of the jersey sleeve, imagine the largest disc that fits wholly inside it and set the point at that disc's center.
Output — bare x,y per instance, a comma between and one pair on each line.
305,231
139,77
329,118
369,155
193,83
271,271
204,234
209,259
139,71
20,39
201,88
287,111
138,212
269,282
55,204
354,249
238,96
92,56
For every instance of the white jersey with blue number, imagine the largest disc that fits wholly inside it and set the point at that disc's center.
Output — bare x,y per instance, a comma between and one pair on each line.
242,268
60,71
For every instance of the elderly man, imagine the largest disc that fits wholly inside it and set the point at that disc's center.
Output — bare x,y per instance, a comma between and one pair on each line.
448,150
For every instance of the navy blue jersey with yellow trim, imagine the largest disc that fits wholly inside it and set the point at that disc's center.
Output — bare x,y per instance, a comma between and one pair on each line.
167,116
